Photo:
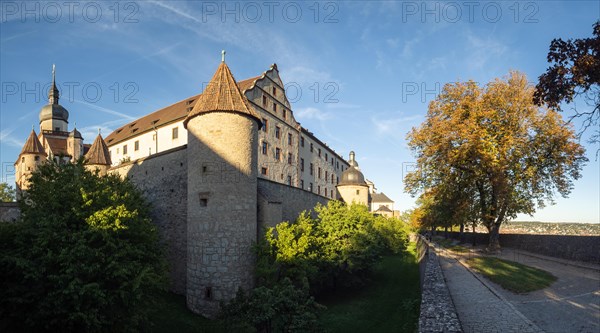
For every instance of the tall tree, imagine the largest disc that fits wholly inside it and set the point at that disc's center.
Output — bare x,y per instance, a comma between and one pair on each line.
505,154
7,193
575,71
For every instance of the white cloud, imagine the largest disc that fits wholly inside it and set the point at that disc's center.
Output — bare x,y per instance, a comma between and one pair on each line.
312,113
392,125
8,139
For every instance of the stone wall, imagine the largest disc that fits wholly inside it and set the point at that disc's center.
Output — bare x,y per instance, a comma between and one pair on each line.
438,313
163,179
280,202
579,248
9,211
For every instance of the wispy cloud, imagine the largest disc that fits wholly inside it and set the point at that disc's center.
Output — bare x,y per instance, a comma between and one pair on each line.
386,126
312,113
8,139
105,110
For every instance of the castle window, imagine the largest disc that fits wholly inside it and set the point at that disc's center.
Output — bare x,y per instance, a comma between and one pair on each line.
284,113
357,192
278,154
337,180
37,158
312,169
326,157
274,107
310,187
319,173
290,139
264,124
277,132
332,161
302,141
263,171
124,149
136,145
290,157
337,164
311,147
289,180
175,133
264,100
319,189
57,129
208,293
274,91
326,176
319,152
302,164
203,196
302,183
22,159
265,146
332,178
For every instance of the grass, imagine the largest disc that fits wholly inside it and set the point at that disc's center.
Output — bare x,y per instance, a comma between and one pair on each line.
511,275
459,249
390,303
172,315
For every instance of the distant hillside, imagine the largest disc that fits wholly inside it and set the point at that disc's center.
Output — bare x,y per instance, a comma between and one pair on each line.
546,228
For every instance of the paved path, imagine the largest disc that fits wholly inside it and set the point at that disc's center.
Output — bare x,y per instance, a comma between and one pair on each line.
478,308
571,304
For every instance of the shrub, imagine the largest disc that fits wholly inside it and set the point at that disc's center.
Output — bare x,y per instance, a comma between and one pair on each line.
85,257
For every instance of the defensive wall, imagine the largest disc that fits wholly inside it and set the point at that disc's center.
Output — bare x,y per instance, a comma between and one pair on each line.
163,180
579,248
438,313
9,211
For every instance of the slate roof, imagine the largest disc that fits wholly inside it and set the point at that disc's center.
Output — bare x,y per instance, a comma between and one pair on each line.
380,197
222,94
98,152
33,145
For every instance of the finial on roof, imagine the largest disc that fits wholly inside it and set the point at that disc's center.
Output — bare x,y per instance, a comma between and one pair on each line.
53,94
99,129
75,125
32,127
53,73
223,55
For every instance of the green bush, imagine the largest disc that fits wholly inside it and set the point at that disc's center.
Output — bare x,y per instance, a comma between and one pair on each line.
85,256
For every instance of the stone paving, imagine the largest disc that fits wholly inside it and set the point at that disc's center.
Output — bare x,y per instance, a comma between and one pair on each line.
478,308
571,304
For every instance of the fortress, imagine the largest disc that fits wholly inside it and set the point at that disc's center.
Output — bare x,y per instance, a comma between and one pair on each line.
218,168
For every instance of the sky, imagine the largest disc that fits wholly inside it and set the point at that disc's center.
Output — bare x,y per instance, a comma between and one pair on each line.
359,74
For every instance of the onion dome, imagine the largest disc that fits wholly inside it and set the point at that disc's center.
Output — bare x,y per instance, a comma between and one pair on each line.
53,110
222,94
75,134
352,175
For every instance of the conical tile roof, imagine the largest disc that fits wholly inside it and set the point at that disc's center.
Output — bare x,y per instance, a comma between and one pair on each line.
98,153
33,145
222,94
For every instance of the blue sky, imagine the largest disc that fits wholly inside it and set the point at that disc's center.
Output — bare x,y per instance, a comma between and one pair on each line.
360,73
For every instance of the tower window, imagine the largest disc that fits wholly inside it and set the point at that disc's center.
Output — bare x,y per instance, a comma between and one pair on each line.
274,91
22,159
290,157
290,139
264,101
302,141
208,293
57,129
264,124
277,132
289,180
37,158
284,113
357,192
274,107
136,145
263,171
175,133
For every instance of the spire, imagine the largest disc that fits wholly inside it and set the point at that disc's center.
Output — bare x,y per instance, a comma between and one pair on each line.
98,153
33,145
222,94
53,92
352,160
223,55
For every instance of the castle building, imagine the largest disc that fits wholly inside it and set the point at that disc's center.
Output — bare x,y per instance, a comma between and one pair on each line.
218,168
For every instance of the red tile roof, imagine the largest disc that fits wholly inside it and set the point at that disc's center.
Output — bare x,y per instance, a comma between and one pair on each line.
33,145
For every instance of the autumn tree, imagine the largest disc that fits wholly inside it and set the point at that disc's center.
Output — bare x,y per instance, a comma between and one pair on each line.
574,71
506,155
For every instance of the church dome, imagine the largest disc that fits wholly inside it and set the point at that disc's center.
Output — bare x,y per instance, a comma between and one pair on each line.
75,134
54,111
352,175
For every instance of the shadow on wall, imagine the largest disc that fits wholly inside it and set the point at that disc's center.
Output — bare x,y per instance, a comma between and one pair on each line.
9,211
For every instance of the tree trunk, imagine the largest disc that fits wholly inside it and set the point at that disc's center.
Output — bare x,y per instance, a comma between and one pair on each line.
494,245
462,233
446,232
474,235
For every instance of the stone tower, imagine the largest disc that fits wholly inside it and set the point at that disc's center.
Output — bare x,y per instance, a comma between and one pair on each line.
352,186
53,116
31,155
222,194
75,145
98,156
